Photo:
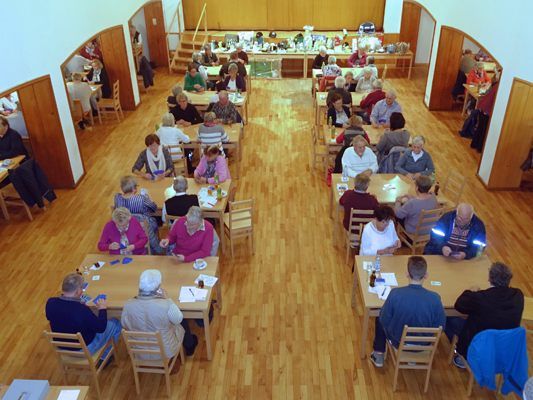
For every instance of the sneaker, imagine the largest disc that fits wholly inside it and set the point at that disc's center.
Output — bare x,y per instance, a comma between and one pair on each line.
458,361
377,359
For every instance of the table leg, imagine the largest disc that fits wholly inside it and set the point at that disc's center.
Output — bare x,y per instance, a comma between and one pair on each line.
355,284
305,66
207,330
221,227
364,332
219,294
335,223
4,207
410,67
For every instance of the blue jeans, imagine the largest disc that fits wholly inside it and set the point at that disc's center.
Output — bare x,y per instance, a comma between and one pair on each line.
112,330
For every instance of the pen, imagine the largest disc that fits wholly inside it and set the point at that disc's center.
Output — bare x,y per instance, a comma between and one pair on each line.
384,290
191,292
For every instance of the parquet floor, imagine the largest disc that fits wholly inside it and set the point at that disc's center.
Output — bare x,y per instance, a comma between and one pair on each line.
287,330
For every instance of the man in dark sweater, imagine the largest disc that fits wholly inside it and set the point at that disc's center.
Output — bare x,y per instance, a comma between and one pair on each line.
67,314
179,204
10,141
411,305
358,199
498,307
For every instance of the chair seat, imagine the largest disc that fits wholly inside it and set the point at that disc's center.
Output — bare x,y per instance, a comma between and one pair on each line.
239,224
414,356
81,360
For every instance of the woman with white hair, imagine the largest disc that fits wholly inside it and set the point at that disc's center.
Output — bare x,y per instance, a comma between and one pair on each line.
417,161
332,69
172,100
233,82
152,310
339,89
365,83
170,135
321,58
192,237
178,201
123,234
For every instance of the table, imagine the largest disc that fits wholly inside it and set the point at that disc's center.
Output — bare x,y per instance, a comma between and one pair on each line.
53,394
470,91
396,56
3,175
321,106
333,147
203,99
213,75
121,283
314,80
455,277
234,132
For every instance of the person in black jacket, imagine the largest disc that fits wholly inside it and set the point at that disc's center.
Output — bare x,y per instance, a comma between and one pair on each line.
98,75
179,204
338,114
339,88
10,141
184,113
233,59
498,307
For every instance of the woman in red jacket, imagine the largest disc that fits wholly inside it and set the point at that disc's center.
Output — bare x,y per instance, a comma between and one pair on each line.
477,75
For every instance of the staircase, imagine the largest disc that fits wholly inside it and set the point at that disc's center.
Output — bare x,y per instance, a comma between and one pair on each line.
182,56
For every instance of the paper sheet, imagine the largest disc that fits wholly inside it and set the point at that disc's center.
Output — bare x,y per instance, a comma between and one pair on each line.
97,265
390,278
68,395
209,281
381,291
190,294
205,200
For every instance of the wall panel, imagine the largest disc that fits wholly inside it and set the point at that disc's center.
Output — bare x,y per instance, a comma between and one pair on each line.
410,24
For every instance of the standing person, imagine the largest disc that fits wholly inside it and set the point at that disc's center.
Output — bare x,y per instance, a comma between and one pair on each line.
98,75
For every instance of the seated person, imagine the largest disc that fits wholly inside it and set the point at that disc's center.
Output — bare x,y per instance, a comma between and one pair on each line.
123,234
359,158
225,110
383,109
458,234
9,104
192,236
370,64
338,113
349,82
193,80
152,310
210,133
233,59
498,307
233,81
184,113
79,90
340,90
321,58
468,62
478,75
358,199
178,201
208,57
98,75
411,305
155,160
332,69
368,101
68,314
91,51
396,135
415,162
170,135
365,83
11,144
408,208
357,58
172,100
212,164
355,127
196,58
241,54
379,235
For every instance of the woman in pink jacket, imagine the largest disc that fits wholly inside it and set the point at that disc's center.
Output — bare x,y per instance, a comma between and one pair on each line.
212,164
123,234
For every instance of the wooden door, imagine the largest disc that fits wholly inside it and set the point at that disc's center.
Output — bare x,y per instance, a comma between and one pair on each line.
410,24
45,132
155,30
117,63
516,138
446,68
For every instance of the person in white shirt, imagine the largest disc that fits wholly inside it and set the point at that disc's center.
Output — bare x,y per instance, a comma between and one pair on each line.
379,235
170,135
369,64
365,83
76,64
359,158
81,91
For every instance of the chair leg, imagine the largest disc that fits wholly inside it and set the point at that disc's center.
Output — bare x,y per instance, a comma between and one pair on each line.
4,207
182,354
167,381
116,114
97,384
428,374
470,384
396,370
137,383
231,246
347,253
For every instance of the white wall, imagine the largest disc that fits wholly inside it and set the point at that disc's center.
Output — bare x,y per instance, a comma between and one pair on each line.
425,38
468,44
392,19
484,28
171,24
140,23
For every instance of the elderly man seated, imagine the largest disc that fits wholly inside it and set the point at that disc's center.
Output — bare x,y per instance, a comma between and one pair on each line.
332,69
68,314
458,234
383,109
415,162
224,109
152,310
178,202
358,199
369,101
359,158
340,82
191,237
366,82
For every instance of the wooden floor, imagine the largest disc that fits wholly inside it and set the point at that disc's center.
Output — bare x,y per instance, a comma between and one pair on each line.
287,330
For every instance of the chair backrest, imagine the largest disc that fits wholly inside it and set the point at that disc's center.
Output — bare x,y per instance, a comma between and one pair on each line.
241,214
421,340
326,83
146,351
77,110
358,218
426,220
143,220
453,187
180,164
116,91
384,73
70,349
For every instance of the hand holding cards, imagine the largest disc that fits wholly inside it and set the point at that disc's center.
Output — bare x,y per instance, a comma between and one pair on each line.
100,301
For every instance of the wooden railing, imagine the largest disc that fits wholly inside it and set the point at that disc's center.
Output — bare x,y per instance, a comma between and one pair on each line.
169,33
203,15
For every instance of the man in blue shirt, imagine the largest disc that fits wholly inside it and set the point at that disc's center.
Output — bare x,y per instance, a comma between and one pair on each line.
380,116
411,305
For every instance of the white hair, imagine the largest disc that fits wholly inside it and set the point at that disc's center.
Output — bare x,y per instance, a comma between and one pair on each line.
194,215
238,46
391,93
150,280
332,60
377,84
367,70
340,82
180,184
322,49
419,140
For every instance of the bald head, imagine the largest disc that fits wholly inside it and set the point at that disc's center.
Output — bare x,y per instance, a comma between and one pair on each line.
465,212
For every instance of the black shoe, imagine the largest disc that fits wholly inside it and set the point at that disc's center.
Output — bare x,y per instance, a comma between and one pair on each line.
200,322
81,125
189,344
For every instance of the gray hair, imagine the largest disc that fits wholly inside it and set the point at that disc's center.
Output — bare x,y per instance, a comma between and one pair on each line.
128,184
196,56
391,93
238,46
121,215
340,82
233,67
168,120
377,84
210,116
176,89
419,139
180,184
149,281
322,49
370,60
194,215
332,60
72,282
367,70
223,93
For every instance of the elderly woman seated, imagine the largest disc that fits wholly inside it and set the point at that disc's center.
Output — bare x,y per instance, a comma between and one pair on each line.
359,158
365,83
123,234
357,58
194,82
369,100
208,57
156,160
332,69
170,135
321,58
152,310
478,75
172,100
415,162
177,201
210,133
395,136
338,113
191,237
340,89
379,235
196,60
349,82
354,128
233,82
212,166
184,113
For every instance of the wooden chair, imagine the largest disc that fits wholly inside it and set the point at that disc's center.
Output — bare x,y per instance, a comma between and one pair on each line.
426,220
326,83
239,222
384,73
112,105
320,151
10,197
74,356
453,187
180,164
143,345
470,373
353,234
416,351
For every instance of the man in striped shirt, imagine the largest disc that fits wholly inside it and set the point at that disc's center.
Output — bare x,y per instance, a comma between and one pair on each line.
210,133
